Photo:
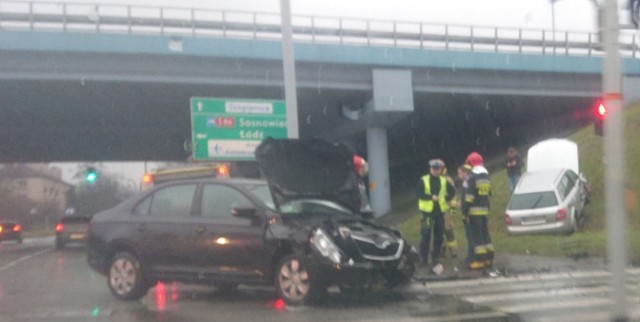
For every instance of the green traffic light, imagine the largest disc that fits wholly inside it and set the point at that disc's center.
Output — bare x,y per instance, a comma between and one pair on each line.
91,176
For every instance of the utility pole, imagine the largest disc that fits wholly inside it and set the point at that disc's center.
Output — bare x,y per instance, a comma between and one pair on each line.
614,160
288,61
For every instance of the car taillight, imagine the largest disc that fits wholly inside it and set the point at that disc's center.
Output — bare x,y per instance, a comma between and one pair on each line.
507,219
561,214
0,229
59,227
17,228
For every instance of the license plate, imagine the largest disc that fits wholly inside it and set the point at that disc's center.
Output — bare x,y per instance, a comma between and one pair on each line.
77,236
533,220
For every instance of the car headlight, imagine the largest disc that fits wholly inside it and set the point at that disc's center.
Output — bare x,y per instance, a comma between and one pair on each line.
321,241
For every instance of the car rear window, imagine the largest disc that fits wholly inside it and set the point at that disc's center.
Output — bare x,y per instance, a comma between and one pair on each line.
533,200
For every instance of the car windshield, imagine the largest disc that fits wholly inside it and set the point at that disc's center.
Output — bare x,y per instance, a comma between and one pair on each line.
314,207
533,200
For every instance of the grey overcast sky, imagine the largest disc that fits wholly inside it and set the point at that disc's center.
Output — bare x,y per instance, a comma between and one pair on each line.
570,14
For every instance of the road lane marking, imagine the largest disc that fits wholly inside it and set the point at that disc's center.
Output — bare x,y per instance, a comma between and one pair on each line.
22,259
544,294
562,305
524,278
444,318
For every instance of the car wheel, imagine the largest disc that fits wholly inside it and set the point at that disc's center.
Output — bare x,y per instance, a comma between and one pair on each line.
294,283
125,278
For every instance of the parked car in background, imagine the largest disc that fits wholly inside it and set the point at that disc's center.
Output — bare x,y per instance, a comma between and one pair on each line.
72,229
551,196
10,230
301,231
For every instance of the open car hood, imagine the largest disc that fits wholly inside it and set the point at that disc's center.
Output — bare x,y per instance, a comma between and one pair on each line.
311,168
553,154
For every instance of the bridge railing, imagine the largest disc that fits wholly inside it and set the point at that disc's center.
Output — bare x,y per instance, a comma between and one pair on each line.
183,22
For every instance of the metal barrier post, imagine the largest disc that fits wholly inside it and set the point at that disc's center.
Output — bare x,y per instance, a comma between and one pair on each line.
446,37
421,36
193,22
64,17
471,38
520,41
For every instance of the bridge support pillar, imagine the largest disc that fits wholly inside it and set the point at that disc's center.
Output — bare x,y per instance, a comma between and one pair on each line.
392,100
378,156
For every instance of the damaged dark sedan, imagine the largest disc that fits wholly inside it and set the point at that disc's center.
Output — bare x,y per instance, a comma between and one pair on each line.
300,230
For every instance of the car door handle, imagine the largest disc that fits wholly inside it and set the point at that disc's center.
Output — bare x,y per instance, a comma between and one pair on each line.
200,230
142,227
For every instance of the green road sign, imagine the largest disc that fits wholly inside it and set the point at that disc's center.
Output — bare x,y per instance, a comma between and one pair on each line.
231,129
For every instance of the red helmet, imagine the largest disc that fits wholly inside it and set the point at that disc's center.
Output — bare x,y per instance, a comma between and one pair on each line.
362,168
474,159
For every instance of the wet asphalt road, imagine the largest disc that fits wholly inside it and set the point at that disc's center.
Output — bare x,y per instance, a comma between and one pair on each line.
39,283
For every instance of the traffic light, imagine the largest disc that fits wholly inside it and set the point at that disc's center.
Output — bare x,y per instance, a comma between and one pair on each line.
222,171
601,115
91,175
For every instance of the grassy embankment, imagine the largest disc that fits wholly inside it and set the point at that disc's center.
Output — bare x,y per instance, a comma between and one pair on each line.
591,237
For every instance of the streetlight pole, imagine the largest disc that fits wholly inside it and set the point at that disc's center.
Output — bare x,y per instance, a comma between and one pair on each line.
288,62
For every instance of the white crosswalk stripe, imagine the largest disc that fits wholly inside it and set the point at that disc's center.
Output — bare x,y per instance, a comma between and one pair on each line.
575,296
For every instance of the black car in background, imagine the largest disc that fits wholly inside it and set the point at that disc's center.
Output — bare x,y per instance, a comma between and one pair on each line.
72,229
300,231
10,230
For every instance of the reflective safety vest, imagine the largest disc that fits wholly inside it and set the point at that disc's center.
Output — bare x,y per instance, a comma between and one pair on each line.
427,205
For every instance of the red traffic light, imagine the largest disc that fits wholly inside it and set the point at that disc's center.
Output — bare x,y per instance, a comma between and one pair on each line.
601,111
601,114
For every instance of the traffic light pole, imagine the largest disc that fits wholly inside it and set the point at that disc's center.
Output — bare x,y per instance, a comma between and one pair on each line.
614,161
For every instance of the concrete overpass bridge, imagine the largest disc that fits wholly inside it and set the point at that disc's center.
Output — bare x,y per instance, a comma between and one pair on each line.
103,82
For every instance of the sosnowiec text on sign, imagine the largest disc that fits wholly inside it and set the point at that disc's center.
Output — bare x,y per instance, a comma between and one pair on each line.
231,129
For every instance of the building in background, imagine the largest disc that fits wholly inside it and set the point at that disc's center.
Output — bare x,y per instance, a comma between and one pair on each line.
32,193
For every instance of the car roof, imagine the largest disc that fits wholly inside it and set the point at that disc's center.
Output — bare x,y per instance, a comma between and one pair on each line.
539,181
232,181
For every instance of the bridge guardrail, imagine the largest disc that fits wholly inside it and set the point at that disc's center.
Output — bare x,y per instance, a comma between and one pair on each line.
128,19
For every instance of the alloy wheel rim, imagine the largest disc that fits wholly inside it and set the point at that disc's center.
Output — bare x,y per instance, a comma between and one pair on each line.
123,276
294,280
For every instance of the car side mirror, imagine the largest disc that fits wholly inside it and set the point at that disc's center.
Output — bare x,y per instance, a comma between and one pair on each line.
249,213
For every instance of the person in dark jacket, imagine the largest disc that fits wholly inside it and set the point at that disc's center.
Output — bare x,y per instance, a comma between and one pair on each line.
514,167
434,194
